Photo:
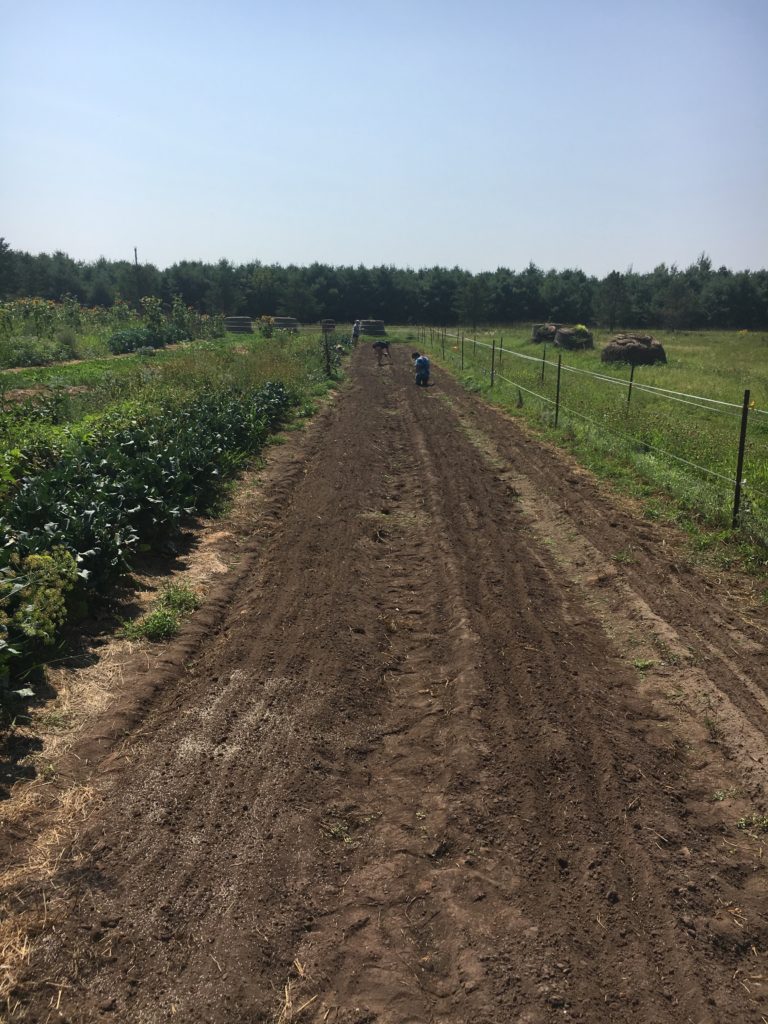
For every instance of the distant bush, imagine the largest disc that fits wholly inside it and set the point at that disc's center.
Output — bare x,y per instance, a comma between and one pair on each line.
29,350
130,339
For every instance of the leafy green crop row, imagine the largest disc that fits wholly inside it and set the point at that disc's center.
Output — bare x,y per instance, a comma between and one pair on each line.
103,489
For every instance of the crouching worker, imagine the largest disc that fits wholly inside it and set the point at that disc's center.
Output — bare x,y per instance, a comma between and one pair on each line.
421,365
381,348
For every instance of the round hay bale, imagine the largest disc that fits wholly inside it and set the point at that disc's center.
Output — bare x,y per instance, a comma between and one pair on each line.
374,327
635,349
574,338
544,332
238,324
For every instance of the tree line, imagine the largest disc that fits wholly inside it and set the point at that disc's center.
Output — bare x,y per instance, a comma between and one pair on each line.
695,297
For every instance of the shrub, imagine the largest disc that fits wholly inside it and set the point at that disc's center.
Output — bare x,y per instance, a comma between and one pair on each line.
130,339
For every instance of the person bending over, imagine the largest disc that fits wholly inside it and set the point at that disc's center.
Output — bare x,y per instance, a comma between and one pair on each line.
381,348
421,365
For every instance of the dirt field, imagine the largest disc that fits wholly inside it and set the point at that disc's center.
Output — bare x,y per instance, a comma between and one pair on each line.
457,740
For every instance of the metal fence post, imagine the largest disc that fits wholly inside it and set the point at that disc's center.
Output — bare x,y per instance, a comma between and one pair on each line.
443,343
493,361
631,378
557,394
740,460
327,353
462,350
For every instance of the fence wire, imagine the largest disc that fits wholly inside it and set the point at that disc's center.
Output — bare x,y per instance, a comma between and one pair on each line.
621,381
701,402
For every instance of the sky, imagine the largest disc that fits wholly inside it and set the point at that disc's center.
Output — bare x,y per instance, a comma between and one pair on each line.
598,134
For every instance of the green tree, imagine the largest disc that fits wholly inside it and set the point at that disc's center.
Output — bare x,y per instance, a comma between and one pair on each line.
613,300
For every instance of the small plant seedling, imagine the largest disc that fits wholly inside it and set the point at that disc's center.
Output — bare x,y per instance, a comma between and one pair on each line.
624,557
642,664
754,822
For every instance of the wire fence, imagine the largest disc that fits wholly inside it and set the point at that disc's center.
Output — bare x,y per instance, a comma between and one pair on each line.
730,450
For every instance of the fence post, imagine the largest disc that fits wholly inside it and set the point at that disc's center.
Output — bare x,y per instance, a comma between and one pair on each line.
631,378
327,353
557,394
543,363
444,329
740,460
493,361
462,350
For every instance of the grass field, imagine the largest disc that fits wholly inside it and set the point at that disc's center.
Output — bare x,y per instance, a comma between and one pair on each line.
659,447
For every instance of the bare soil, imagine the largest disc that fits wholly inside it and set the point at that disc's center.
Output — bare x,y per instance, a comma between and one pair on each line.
457,739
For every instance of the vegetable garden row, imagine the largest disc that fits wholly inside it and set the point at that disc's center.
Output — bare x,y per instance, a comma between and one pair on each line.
113,462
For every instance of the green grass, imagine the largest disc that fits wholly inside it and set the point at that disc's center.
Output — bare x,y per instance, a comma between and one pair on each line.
176,602
633,443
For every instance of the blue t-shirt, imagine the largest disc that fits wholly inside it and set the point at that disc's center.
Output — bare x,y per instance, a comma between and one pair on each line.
422,364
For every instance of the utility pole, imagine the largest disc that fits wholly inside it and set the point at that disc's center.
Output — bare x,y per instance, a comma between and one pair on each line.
138,277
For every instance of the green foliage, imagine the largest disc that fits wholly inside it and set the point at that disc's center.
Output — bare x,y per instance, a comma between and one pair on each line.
176,601
179,598
121,481
699,296
755,823
130,339
33,593
160,624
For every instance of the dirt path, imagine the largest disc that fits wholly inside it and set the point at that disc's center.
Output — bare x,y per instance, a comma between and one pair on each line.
413,775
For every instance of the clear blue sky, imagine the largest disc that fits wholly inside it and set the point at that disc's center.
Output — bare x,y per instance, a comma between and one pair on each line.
574,133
